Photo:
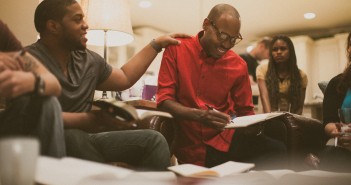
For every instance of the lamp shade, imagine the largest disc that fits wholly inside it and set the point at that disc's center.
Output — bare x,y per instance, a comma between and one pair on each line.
110,16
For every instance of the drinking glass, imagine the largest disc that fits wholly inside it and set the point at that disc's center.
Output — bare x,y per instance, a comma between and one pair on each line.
18,158
345,119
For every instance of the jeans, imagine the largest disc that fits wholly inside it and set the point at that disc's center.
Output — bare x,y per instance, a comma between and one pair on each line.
144,149
335,159
50,129
39,117
264,152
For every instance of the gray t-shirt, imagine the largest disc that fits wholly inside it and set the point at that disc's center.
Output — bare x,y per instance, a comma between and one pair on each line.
86,71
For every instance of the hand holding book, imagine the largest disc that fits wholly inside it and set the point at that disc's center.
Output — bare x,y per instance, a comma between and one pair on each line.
119,113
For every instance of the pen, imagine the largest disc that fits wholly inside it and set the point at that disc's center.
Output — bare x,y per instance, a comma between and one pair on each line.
211,108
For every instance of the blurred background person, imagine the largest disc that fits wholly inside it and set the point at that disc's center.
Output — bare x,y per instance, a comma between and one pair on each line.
253,58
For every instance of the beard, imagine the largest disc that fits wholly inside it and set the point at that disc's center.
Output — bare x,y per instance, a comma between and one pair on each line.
73,41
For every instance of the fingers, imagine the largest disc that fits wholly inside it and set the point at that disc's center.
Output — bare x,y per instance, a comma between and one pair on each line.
15,83
184,35
7,61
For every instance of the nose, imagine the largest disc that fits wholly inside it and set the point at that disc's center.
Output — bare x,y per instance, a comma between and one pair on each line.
85,25
227,44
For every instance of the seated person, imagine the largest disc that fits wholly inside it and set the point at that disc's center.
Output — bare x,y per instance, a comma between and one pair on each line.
27,87
281,83
201,73
337,95
62,49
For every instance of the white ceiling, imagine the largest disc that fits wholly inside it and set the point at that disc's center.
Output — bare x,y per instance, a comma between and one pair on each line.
259,17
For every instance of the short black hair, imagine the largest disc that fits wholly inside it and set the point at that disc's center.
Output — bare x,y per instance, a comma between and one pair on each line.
50,10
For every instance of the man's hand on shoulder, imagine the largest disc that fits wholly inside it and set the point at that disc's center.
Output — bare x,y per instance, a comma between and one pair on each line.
165,40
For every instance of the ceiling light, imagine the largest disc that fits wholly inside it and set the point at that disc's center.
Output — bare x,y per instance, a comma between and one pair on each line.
249,48
309,15
145,4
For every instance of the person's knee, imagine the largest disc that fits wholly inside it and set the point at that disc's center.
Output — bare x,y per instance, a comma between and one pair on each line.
75,137
156,140
51,103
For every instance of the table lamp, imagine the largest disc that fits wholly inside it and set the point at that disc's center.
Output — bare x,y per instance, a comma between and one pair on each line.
109,24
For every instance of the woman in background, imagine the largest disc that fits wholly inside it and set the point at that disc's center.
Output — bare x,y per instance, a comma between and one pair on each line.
281,83
337,95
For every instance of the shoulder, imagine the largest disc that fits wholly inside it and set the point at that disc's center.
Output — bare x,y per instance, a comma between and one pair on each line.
263,67
335,80
302,73
261,71
235,58
303,78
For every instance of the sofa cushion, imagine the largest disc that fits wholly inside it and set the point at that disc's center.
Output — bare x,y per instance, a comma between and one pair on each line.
323,85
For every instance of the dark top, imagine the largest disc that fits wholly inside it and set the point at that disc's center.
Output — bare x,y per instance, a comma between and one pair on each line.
8,41
86,71
251,64
332,101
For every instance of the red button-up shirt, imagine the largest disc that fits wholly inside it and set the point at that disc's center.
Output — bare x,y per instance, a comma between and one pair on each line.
191,78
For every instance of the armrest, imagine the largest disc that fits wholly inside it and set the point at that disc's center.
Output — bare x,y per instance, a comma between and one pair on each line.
305,135
162,125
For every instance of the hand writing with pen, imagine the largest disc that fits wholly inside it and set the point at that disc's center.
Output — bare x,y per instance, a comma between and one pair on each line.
255,129
214,118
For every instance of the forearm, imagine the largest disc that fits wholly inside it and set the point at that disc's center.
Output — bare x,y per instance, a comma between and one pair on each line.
264,96
85,121
138,64
302,102
181,112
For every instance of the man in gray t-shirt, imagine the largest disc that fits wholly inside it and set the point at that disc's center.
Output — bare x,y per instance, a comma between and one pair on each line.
62,48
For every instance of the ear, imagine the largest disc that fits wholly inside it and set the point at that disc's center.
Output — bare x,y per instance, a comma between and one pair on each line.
53,26
205,24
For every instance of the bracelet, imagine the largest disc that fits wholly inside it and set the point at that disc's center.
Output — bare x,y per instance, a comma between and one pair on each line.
157,47
39,85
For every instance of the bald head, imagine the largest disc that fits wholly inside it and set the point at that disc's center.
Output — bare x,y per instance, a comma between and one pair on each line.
223,9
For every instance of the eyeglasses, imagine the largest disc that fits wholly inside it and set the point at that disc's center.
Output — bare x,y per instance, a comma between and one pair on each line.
224,36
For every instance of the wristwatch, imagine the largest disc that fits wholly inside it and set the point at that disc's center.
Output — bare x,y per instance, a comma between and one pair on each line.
157,47
39,85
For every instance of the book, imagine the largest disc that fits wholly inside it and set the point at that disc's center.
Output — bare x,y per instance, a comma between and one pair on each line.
244,121
126,112
72,171
227,168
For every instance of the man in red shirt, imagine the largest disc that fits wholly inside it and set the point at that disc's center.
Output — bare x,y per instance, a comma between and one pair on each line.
203,73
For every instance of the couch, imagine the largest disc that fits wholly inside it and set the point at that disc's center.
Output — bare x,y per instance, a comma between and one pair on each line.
301,135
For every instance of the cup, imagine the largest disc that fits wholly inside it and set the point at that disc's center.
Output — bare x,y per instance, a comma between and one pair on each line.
18,159
345,119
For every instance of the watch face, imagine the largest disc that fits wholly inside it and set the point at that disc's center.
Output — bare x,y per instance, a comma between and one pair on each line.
41,87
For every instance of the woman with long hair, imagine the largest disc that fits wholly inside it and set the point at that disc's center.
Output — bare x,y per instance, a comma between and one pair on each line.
281,83
337,95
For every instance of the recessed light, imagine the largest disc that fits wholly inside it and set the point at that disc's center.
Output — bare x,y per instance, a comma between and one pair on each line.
249,48
145,4
309,15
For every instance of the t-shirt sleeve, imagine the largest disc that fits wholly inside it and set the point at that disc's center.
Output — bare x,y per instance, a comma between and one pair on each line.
105,72
104,69
261,71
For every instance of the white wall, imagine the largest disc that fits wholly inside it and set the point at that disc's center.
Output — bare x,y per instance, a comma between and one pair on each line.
19,16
